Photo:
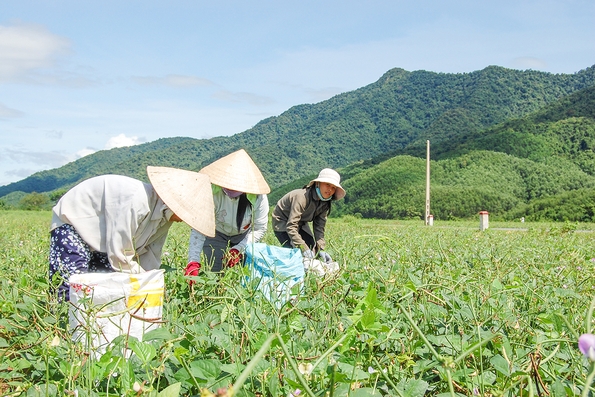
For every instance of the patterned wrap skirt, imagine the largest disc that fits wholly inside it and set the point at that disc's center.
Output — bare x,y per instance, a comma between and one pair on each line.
70,254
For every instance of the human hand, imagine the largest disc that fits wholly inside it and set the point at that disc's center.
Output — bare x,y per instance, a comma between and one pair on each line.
308,254
233,257
325,257
192,269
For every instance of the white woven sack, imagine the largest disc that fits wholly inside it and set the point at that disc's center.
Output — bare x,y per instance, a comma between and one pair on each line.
106,305
319,267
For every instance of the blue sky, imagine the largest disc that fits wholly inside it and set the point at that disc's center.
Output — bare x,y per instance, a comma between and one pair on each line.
80,76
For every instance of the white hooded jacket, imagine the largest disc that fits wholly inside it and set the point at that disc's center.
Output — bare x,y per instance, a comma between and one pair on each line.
120,216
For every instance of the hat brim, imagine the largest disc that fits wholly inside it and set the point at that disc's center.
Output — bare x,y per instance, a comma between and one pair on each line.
188,194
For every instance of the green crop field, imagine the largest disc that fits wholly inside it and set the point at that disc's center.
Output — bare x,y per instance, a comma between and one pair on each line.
446,310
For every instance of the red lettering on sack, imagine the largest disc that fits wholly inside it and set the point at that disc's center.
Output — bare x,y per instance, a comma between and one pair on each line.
85,289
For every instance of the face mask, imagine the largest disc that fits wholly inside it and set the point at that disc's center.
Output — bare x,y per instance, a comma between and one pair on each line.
320,194
232,193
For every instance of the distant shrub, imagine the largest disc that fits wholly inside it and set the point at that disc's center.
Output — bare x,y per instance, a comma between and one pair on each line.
573,206
34,202
57,195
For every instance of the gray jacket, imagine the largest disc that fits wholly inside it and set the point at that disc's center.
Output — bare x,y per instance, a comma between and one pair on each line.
294,210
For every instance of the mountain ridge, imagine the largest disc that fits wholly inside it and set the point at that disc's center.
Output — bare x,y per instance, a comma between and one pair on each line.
392,116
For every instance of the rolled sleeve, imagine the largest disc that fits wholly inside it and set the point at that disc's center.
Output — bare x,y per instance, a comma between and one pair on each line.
197,242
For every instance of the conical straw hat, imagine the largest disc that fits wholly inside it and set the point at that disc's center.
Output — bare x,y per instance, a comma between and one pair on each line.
237,171
188,194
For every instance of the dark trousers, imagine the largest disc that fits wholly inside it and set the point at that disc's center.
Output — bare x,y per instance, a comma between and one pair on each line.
216,247
285,241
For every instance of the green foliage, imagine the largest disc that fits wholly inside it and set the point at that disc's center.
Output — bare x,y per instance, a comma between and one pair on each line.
542,126
461,202
389,190
413,311
565,128
57,194
461,187
34,201
13,199
388,115
573,206
559,141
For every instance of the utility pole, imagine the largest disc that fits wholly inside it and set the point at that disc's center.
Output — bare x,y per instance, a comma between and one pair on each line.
429,218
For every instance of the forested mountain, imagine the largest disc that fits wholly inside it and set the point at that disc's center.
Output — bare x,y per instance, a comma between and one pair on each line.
541,123
565,128
541,166
506,186
398,109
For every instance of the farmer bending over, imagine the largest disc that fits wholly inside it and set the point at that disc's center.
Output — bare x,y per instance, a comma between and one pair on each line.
312,203
241,213
115,223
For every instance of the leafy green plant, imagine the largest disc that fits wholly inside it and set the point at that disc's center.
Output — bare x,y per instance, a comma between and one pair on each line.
446,310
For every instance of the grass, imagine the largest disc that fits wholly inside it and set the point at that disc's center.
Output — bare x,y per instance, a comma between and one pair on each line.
415,310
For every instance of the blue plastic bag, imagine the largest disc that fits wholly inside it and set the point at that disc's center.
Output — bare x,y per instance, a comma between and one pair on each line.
275,271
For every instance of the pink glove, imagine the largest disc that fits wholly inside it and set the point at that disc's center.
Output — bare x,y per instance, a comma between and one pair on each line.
192,269
233,257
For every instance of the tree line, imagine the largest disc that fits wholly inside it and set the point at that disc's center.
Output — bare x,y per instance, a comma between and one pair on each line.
507,141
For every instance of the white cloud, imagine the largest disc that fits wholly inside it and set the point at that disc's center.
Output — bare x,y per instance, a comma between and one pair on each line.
47,159
243,97
122,141
114,142
27,47
173,80
20,173
54,134
84,152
